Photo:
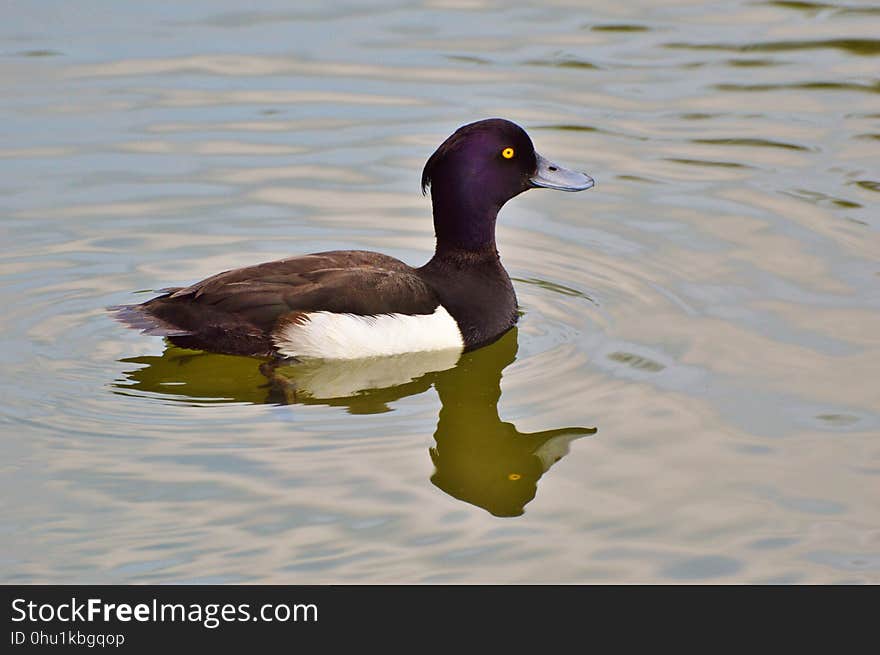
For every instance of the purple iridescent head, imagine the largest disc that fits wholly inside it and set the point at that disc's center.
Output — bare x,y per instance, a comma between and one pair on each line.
478,169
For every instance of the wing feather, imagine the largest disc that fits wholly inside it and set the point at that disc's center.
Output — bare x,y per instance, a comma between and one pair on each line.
237,310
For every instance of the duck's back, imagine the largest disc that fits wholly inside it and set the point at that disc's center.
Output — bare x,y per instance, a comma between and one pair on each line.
332,304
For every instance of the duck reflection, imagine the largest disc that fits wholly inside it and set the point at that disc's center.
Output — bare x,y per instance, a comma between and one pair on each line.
478,458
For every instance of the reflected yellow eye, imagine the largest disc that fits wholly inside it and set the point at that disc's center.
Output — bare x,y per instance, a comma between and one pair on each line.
513,476
507,153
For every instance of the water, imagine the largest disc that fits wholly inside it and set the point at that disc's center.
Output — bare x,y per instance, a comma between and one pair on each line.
692,394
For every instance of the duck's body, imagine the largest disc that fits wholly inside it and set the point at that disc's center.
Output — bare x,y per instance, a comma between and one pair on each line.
349,304
341,304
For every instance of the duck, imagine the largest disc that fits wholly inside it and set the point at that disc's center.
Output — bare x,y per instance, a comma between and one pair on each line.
353,304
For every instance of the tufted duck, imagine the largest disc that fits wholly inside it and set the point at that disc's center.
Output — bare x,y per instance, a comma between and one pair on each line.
350,304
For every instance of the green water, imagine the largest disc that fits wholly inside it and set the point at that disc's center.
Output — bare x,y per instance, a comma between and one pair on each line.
693,391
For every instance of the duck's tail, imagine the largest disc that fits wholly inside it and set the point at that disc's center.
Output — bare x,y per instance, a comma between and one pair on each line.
139,317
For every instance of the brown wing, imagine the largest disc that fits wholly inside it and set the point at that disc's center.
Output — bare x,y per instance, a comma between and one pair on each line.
235,311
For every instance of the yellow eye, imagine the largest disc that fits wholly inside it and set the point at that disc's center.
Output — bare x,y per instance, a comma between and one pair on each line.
507,153
513,476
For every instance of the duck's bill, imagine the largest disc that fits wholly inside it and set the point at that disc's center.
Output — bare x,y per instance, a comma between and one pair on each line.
553,176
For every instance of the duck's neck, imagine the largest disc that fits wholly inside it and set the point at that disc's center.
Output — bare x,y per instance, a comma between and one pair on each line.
466,272
464,221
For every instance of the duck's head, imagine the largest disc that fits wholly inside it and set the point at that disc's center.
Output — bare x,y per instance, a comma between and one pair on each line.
478,169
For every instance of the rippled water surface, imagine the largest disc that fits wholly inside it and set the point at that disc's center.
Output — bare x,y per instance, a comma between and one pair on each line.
693,392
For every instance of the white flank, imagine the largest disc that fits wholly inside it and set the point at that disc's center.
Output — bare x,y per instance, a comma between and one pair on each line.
327,335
